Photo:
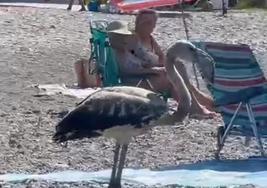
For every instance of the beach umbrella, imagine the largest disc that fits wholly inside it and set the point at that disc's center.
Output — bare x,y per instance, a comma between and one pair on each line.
131,5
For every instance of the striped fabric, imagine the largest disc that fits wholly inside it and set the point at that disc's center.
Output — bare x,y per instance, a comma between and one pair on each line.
237,77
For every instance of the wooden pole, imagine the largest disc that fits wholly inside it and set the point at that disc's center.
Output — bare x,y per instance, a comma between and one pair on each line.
187,38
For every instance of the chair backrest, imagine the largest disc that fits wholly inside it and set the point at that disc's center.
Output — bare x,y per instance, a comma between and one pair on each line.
237,78
112,76
236,70
103,54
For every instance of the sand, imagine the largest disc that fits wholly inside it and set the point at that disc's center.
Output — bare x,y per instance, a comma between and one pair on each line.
40,46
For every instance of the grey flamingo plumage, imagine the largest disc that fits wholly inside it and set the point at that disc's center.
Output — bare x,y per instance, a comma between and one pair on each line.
123,112
116,112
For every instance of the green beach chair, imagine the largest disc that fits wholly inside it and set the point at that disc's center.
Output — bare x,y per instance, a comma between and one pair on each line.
102,54
239,91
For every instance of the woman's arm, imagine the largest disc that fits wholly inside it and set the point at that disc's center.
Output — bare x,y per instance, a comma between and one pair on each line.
158,51
130,65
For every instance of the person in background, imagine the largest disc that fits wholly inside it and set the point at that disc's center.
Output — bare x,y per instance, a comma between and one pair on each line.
80,3
71,3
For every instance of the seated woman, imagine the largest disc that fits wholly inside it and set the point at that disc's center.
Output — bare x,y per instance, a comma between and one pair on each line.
144,26
133,52
133,68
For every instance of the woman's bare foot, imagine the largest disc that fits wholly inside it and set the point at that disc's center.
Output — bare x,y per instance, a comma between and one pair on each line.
202,98
208,102
201,112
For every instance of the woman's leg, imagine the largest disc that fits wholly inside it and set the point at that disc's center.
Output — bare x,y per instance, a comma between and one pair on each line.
82,73
160,83
201,104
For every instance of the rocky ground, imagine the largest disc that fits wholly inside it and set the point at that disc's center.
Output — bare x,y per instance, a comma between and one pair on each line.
39,46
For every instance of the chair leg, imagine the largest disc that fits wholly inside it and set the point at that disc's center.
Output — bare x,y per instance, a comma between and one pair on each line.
247,140
222,133
92,55
149,83
230,125
195,73
139,83
89,62
254,128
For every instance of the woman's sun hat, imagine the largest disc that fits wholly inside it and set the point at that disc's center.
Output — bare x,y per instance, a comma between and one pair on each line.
119,27
120,36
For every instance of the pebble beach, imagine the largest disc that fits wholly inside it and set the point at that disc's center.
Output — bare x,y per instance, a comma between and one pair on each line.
40,46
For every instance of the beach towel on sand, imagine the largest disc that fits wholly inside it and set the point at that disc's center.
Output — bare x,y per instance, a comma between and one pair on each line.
62,89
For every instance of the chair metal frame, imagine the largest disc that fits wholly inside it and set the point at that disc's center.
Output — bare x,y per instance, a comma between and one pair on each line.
224,131
222,135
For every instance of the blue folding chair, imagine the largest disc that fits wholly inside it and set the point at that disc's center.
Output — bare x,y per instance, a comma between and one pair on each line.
239,91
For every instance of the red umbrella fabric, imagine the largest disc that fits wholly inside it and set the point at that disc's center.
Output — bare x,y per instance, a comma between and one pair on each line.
131,5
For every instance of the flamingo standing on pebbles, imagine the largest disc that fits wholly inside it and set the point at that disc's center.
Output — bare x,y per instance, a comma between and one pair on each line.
123,112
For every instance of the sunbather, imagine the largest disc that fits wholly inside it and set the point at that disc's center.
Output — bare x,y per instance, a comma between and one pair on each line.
80,3
144,26
132,63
